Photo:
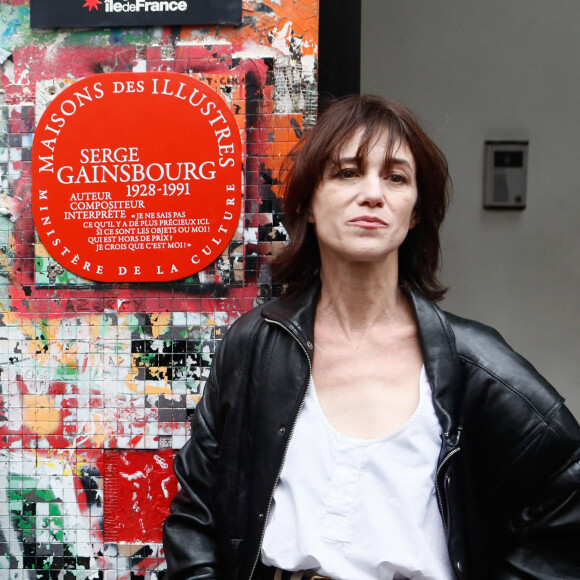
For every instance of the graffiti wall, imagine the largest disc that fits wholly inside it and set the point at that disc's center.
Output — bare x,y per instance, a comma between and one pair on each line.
97,381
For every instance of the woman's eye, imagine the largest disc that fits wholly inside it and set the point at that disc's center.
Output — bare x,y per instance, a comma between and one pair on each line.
347,173
397,178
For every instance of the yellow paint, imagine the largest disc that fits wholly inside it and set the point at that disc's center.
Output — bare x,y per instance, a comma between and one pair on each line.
39,414
160,323
69,354
95,430
142,388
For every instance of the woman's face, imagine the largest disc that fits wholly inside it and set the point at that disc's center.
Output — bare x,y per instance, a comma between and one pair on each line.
363,214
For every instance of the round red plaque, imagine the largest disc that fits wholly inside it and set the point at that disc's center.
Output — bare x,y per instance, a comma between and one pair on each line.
137,177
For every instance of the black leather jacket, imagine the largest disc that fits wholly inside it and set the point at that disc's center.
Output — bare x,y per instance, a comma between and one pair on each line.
508,477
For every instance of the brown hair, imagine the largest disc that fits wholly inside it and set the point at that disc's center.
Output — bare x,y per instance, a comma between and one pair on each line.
419,255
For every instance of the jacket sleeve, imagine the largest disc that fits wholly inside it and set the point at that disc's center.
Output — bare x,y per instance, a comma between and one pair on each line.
521,454
190,531
544,533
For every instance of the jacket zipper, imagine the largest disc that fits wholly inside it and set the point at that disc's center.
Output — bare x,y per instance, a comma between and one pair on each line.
438,489
287,443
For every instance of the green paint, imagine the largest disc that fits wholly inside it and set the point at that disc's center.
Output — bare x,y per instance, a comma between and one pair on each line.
66,372
67,278
15,32
134,323
23,495
44,265
46,495
147,359
24,523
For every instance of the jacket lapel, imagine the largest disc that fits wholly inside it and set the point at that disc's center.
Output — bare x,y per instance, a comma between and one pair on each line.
441,359
296,312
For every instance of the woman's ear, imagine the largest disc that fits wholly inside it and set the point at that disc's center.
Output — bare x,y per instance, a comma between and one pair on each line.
414,219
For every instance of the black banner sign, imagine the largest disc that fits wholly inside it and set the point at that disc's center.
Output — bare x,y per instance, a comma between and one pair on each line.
104,13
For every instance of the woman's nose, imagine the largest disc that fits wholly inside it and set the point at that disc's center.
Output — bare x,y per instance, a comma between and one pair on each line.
372,191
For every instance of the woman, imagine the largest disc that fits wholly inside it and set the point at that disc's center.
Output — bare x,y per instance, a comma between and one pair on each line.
351,429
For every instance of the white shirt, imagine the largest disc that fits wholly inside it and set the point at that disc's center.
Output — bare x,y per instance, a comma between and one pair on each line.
359,509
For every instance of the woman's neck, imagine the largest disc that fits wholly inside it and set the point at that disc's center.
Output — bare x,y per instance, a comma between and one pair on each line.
360,296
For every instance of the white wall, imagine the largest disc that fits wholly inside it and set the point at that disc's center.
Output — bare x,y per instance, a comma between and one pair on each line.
498,69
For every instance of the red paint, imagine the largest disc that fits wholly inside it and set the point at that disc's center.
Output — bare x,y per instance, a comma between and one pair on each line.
138,487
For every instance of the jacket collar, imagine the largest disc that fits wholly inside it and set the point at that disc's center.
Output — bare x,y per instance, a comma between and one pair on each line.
296,312
441,360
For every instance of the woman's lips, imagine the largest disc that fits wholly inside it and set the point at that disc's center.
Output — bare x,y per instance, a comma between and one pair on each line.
368,221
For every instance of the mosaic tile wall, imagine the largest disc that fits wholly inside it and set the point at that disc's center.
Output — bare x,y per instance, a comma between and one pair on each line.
97,381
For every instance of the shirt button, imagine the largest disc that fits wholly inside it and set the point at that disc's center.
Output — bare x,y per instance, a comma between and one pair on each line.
309,345
459,566
282,430
261,515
